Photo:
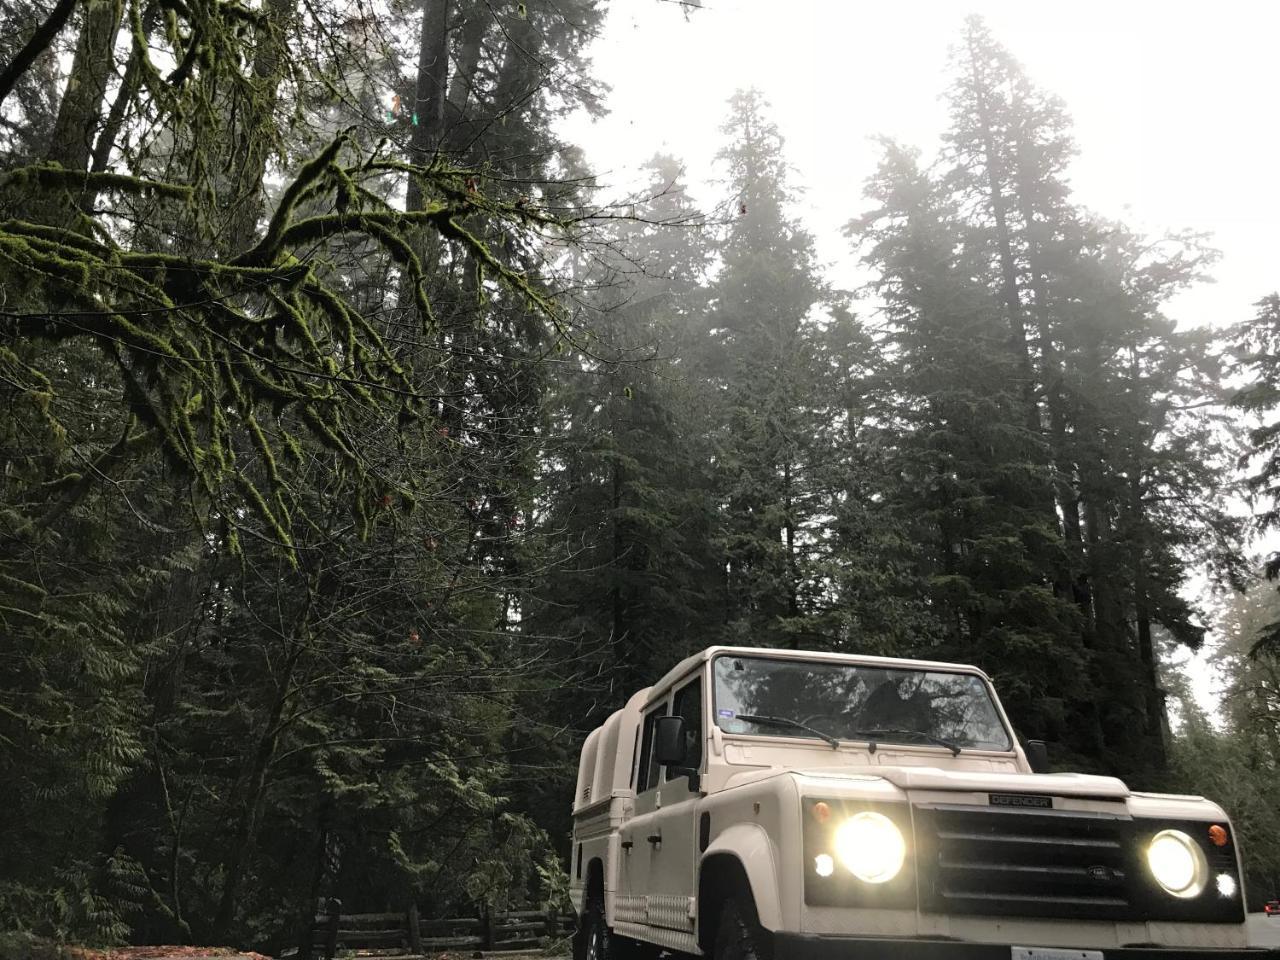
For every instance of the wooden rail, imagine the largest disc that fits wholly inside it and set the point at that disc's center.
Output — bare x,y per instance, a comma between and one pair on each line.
398,934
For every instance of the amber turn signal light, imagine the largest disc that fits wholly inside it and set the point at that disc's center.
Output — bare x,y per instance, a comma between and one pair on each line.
821,812
1218,835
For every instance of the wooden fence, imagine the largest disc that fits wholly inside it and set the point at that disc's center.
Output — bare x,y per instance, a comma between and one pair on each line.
393,934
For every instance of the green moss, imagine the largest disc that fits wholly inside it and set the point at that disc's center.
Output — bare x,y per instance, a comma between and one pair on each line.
51,176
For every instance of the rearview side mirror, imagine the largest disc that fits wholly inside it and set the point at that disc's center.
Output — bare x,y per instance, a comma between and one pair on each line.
1038,756
669,746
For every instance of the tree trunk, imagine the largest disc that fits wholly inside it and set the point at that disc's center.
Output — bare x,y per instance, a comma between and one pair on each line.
430,91
1069,582
793,600
615,595
247,820
255,140
80,112
1153,694
462,84
1008,268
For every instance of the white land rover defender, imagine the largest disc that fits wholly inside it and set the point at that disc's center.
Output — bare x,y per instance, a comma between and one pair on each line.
773,803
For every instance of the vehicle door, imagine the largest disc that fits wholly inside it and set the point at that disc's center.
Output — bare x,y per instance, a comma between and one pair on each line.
673,858
634,833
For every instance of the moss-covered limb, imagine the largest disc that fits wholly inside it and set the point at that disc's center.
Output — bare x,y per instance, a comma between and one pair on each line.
538,299
155,263
403,254
267,250
88,315
37,388
330,225
20,367
26,253
270,388
238,12
331,306
326,434
381,225
254,496
183,70
264,448
57,237
51,176
148,73
457,186
352,322
176,429
295,321
67,262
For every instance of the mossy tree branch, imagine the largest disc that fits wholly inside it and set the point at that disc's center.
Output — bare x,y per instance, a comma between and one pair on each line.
200,338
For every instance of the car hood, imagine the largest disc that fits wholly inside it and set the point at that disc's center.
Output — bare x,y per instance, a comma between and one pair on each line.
937,778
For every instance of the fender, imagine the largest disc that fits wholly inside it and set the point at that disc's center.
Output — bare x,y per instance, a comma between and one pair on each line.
750,845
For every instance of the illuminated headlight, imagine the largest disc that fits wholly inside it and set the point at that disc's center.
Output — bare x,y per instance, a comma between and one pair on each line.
1226,884
871,847
1177,864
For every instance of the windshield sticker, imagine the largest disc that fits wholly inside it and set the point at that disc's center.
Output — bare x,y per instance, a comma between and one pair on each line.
727,714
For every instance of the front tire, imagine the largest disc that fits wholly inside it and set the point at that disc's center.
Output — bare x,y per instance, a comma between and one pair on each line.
740,936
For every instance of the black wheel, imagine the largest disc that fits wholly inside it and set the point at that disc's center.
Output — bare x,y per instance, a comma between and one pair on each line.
739,935
593,939
590,937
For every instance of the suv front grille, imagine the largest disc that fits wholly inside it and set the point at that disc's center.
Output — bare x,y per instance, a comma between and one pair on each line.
1018,863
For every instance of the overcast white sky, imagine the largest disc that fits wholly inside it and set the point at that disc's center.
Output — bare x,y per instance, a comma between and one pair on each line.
1175,105
1175,110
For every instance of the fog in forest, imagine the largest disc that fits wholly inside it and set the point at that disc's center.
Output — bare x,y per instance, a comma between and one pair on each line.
389,390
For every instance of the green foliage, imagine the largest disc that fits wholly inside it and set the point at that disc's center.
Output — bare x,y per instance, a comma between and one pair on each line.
268,451
1059,436
1235,763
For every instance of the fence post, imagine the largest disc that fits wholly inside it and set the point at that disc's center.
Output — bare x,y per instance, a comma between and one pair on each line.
331,936
487,933
415,929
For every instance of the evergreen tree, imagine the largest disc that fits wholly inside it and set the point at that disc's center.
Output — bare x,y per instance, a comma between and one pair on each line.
969,473
1117,426
1232,757
626,491
1256,346
763,373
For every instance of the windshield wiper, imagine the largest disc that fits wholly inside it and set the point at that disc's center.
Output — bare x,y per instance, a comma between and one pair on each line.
792,724
889,732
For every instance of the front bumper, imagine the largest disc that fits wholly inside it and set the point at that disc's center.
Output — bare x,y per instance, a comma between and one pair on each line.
800,946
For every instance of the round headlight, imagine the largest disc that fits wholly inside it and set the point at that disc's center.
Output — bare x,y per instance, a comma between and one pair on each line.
871,847
1177,863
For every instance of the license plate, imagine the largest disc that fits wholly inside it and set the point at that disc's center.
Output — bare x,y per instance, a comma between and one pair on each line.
1053,953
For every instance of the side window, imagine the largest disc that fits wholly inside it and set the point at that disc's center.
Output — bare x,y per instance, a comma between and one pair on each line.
688,704
635,756
647,775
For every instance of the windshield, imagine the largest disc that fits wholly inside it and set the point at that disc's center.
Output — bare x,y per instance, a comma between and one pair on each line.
850,701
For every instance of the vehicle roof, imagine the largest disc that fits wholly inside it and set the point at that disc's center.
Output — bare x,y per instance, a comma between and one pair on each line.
689,663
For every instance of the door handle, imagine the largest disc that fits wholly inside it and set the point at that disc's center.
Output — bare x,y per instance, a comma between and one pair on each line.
654,838
626,844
